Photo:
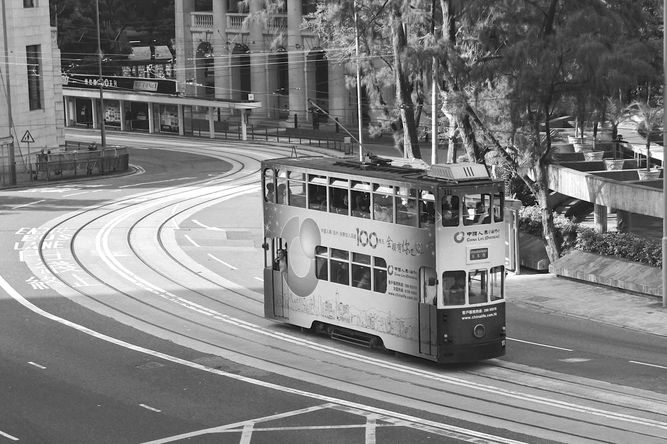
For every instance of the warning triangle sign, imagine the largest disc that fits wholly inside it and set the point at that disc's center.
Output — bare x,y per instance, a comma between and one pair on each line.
27,137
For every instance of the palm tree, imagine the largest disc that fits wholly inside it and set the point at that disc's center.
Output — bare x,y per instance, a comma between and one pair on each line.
649,121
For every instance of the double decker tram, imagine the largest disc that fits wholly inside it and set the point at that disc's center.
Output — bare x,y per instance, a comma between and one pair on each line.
409,259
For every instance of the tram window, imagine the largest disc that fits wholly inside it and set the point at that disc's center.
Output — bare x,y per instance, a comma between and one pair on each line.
379,275
269,186
496,278
322,263
454,287
406,206
297,190
383,203
281,193
426,209
476,209
338,200
340,266
361,198
317,193
450,211
361,271
498,205
478,285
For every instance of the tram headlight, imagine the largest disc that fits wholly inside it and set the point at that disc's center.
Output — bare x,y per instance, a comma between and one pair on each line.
503,331
479,331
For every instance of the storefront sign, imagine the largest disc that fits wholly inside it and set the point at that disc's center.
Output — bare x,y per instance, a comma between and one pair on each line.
119,83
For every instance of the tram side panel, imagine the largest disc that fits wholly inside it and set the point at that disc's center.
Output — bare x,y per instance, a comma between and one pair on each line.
325,250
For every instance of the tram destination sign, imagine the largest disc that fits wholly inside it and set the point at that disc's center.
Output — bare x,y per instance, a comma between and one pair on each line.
478,254
120,83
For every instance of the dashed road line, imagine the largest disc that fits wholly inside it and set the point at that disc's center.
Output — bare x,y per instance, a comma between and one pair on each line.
196,222
541,345
152,409
648,365
222,262
8,436
16,207
258,278
34,364
192,241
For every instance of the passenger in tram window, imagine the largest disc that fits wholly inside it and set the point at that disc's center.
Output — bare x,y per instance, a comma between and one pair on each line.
363,279
427,216
281,193
361,206
481,214
454,288
270,192
450,211
280,263
380,280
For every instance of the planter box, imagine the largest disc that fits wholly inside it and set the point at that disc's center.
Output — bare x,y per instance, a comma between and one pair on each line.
614,164
593,155
648,175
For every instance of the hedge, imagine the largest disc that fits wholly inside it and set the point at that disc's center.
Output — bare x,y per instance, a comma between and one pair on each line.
571,235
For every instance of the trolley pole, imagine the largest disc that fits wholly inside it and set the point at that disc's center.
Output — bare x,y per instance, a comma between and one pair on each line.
100,81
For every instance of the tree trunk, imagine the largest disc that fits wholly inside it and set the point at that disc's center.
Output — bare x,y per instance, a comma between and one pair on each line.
541,192
403,99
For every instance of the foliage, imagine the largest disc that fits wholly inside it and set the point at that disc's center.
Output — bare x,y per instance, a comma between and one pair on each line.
571,236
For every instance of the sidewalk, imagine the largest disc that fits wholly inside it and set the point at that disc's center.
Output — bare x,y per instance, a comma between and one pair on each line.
588,301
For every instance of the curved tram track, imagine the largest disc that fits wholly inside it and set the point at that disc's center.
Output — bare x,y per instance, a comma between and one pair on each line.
138,274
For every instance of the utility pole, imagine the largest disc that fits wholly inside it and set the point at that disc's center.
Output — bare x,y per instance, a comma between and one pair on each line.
6,79
101,80
664,148
359,118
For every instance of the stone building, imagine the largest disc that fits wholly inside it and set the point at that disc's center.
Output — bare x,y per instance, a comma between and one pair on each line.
31,105
222,55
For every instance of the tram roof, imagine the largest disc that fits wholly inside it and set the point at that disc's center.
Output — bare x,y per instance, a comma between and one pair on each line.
378,168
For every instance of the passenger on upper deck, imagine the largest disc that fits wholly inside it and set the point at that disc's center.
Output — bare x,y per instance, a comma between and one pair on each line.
270,193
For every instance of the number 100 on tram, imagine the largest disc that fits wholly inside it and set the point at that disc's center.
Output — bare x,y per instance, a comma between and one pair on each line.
412,260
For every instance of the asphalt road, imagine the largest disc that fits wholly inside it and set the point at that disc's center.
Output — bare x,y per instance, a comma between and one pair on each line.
107,378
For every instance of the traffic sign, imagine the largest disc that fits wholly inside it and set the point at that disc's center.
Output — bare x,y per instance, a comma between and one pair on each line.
27,137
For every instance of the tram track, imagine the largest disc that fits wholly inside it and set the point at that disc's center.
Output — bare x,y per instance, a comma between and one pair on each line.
399,372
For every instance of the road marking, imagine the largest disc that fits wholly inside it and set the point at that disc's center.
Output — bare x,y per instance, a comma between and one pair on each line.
37,365
152,409
474,434
8,436
541,345
27,205
222,262
194,221
155,182
649,365
574,360
259,279
192,242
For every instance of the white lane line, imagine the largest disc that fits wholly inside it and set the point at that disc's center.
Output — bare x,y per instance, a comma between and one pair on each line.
152,409
156,182
649,365
76,194
196,222
192,242
11,291
259,279
27,205
540,345
222,262
8,436
36,365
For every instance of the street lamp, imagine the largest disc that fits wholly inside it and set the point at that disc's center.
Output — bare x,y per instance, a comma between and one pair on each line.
356,45
100,81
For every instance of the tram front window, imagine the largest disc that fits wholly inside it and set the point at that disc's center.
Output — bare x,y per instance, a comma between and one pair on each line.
476,209
496,278
450,211
478,285
454,287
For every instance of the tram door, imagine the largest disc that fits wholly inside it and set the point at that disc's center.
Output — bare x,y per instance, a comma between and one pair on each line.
428,291
274,280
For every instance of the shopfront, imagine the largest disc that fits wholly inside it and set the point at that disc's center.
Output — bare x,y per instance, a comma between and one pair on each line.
149,105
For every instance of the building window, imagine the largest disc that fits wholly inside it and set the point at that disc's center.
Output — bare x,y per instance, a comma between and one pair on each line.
28,3
34,63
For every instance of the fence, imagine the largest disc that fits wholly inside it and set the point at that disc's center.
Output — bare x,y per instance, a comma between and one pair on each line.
286,135
91,162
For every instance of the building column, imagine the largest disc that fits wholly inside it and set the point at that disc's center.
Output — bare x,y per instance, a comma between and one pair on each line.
184,44
296,61
151,122
244,124
600,218
221,49
211,122
95,112
123,120
258,61
181,121
339,104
